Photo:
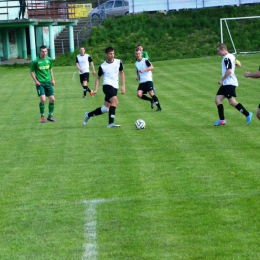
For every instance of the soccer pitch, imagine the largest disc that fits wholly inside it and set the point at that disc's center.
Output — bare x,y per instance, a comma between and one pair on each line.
180,189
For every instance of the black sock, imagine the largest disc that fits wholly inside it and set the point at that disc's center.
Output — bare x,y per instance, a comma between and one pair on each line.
144,97
220,108
242,110
84,91
95,112
156,101
111,114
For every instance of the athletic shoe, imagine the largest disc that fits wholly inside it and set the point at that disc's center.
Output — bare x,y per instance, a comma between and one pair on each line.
84,97
85,119
51,119
158,110
220,122
113,125
91,93
249,118
152,104
43,120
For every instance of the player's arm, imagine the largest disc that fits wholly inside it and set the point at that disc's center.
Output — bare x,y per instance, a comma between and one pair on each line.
37,83
149,67
77,64
96,85
254,75
93,67
122,76
52,77
238,63
137,75
228,72
100,73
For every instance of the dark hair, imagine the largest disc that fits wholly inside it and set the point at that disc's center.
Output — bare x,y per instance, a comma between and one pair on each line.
109,49
43,47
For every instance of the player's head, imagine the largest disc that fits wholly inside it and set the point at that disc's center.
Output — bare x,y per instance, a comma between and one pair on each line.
222,49
110,53
82,50
140,47
109,49
43,51
138,54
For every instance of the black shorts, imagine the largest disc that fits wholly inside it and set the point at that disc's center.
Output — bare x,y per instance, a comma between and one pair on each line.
109,92
228,91
84,77
145,86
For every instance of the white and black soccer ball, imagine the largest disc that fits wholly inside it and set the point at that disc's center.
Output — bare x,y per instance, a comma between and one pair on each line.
140,124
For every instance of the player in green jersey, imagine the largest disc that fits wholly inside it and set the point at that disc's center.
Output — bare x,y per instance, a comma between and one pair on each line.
42,74
144,53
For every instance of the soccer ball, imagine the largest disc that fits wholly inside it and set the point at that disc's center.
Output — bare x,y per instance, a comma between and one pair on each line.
140,124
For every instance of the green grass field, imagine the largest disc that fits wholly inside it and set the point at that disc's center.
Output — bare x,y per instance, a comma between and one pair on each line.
181,189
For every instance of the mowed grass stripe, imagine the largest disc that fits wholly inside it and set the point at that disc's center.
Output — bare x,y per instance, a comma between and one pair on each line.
194,187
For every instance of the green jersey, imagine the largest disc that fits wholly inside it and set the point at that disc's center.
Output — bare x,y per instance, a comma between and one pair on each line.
42,67
145,55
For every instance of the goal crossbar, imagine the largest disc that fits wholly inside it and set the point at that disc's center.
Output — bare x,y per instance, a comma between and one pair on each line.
229,33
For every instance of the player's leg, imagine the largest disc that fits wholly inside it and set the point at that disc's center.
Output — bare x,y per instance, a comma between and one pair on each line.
41,94
98,111
50,94
112,111
141,95
258,112
232,101
218,101
155,100
81,79
84,82
111,98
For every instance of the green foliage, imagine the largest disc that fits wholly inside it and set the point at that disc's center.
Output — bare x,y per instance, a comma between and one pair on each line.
177,35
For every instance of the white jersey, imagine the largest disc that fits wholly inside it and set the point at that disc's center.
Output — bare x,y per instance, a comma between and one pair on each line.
110,72
83,62
143,64
229,62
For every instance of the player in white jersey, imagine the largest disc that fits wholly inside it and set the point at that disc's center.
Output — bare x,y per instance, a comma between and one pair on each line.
144,74
228,86
83,61
109,69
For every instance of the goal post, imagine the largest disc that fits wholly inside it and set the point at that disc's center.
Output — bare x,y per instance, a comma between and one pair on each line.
225,21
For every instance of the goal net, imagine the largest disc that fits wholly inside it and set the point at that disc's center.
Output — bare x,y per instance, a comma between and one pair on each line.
242,33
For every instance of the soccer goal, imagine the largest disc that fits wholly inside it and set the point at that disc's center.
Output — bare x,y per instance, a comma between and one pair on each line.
247,21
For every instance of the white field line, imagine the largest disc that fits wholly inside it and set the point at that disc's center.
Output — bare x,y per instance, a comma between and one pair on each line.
90,230
73,76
